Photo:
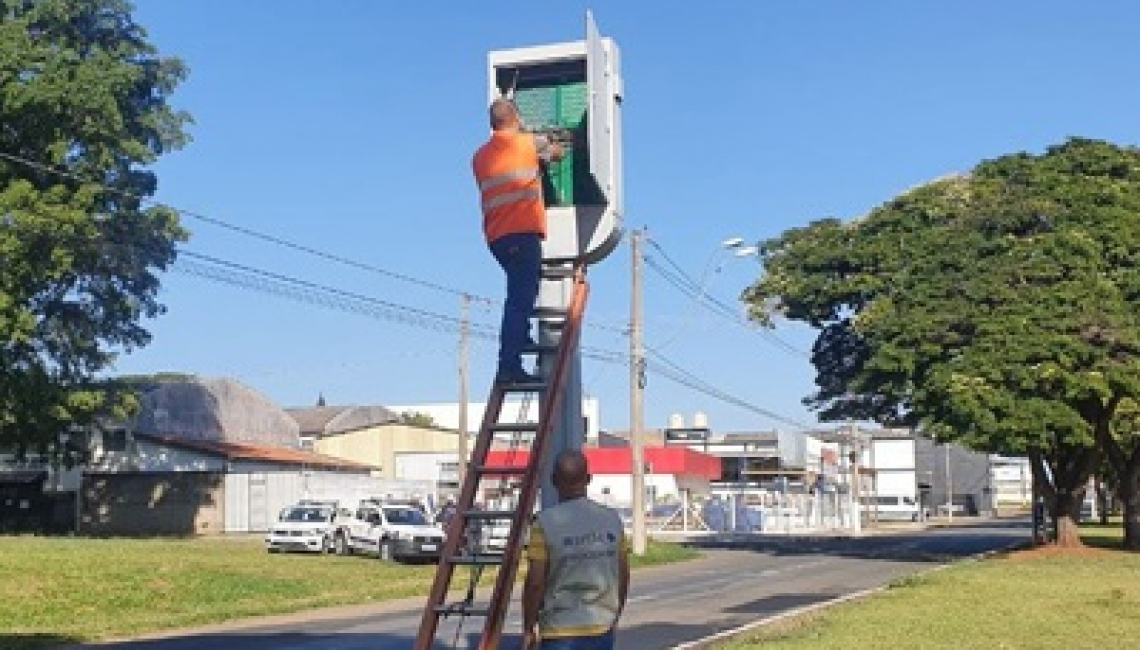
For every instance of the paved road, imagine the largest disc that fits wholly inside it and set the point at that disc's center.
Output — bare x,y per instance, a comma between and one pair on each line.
732,585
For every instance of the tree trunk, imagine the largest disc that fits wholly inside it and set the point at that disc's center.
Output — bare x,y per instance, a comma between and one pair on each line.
1066,511
1062,476
1102,500
1131,525
1068,532
1130,495
1125,461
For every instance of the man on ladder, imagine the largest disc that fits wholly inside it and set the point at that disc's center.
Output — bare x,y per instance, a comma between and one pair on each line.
508,172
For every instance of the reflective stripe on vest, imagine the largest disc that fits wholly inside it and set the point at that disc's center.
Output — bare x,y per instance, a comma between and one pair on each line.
500,179
511,197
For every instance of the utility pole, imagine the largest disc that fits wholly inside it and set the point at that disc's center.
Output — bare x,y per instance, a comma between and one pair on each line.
636,397
856,489
949,486
461,466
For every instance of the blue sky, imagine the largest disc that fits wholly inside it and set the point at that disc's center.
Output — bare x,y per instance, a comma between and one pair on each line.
347,126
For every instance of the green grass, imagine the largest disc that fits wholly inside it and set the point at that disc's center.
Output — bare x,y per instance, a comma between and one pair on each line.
1109,535
56,590
1086,599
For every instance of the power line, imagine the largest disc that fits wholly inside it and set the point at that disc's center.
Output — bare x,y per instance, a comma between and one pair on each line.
249,232
683,282
677,374
273,239
250,278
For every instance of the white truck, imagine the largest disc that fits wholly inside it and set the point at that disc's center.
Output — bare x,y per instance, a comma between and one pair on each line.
892,507
309,527
390,531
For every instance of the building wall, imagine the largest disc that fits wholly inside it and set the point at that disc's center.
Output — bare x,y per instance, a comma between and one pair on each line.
183,503
617,489
378,445
1012,482
968,480
447,415
256,493
147,456
440,468
248,499
893,462
254,498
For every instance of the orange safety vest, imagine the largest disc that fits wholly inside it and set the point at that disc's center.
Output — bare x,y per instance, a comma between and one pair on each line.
510,183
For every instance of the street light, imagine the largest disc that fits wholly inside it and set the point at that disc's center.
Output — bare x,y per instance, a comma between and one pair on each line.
733,246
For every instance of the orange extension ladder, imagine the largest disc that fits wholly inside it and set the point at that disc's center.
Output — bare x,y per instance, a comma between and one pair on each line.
565,328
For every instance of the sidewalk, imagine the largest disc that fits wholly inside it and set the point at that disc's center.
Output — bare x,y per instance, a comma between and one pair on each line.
807,534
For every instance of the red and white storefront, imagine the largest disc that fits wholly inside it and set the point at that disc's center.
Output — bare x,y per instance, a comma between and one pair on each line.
669,471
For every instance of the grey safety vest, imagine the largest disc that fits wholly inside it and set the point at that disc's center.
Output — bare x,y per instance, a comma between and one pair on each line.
583,544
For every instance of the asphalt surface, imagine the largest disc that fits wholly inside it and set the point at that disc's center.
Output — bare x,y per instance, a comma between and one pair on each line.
735,583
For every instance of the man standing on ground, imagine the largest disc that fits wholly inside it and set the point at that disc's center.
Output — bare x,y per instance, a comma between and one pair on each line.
446,513
507,170
578,573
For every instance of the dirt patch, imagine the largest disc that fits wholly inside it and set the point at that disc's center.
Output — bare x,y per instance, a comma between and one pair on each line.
1052,550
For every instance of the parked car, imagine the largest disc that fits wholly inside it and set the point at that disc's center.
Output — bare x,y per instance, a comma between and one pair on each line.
309,528
626,515
491,535
892,507
390,532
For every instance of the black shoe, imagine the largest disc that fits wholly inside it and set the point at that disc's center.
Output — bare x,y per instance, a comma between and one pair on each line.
516,376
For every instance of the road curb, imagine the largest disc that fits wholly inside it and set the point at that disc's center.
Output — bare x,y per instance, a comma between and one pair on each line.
720,638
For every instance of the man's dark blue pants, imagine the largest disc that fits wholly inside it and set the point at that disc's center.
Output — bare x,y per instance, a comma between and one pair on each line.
520,255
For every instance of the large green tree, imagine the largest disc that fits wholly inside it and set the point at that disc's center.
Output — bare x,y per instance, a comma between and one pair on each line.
83,113
997,308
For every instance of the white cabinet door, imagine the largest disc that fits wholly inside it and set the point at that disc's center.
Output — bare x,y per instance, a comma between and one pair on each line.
603,86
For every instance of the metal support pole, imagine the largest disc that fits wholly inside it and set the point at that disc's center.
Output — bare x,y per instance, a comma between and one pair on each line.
856,480
569,430
685,509
461,451
637,397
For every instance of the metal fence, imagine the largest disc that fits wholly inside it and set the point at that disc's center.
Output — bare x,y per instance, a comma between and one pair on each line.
768,513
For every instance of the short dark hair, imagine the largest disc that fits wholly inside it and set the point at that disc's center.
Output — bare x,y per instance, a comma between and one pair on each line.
503,111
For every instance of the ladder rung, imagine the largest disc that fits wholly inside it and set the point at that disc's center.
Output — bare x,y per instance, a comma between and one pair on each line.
476,560
523,387
515,427
498,471
550,312
490,514
540,348
557,272
459,609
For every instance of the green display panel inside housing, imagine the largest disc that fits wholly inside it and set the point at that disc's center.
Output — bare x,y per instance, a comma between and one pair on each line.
561,105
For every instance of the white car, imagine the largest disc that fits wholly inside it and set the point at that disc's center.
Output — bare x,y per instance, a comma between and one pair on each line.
303,528
390,532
